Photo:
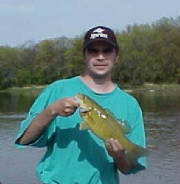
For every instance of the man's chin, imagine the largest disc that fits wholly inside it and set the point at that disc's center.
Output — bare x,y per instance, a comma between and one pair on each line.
99,75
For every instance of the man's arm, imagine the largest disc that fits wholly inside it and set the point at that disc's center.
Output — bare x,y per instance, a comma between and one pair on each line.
63,107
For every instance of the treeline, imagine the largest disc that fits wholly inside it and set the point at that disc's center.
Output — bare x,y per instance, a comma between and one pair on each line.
148,53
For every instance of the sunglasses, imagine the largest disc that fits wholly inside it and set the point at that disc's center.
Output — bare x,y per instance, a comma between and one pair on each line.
107,50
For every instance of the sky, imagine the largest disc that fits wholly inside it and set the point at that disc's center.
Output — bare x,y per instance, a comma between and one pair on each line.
35,20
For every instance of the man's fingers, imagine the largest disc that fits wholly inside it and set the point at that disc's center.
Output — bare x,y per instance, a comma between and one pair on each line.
68,109
75,102
108,145
114,145
118,145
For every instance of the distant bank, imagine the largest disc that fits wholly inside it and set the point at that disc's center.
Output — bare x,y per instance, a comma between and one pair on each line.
147,86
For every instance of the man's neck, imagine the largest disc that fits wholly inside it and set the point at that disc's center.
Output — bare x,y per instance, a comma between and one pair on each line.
98,85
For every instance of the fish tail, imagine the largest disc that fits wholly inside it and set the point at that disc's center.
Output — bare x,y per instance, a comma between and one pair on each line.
136,151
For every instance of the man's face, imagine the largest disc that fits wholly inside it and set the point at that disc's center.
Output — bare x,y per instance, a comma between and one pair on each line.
99,58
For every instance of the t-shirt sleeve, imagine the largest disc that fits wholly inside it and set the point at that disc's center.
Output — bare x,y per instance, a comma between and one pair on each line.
39,105
137,135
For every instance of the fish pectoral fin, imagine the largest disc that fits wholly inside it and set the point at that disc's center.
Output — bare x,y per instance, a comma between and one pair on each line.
83,126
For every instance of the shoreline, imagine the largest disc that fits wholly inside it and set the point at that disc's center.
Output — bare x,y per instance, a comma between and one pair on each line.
152,87
126,87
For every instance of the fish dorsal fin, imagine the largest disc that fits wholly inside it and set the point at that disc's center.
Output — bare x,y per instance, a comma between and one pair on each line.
125,126
110,112
83,126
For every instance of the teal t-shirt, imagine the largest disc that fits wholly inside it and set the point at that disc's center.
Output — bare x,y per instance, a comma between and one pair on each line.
76,156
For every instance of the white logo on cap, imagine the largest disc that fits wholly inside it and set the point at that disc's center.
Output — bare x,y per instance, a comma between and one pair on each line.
98,33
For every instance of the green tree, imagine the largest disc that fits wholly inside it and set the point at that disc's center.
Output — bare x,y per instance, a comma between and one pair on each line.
74,59
9,58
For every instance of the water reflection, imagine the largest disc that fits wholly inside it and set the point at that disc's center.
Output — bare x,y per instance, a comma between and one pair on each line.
17,101
167,101
161,115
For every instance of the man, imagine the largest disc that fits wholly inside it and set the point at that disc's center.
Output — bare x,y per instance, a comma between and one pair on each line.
74,156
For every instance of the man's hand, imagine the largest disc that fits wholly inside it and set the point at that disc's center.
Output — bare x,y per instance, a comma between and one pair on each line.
64,107
115,150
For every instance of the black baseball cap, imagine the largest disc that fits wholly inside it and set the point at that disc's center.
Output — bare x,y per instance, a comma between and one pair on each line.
100,33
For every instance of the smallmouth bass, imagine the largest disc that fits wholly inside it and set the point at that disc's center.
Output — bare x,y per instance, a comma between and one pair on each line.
104,125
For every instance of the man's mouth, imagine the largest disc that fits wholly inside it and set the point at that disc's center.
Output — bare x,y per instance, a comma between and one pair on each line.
100,65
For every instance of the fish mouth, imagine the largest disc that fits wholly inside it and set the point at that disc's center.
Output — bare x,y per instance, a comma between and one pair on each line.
84,109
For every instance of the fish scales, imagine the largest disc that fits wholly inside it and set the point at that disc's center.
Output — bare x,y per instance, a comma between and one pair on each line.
105,126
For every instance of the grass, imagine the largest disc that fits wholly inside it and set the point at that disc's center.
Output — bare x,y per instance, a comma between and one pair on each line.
152,86
27,90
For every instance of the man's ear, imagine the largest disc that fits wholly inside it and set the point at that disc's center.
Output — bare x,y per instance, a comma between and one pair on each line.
116,60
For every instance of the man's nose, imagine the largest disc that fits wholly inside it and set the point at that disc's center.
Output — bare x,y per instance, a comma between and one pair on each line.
100,55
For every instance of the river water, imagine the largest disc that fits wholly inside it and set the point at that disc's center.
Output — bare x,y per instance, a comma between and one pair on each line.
161,116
